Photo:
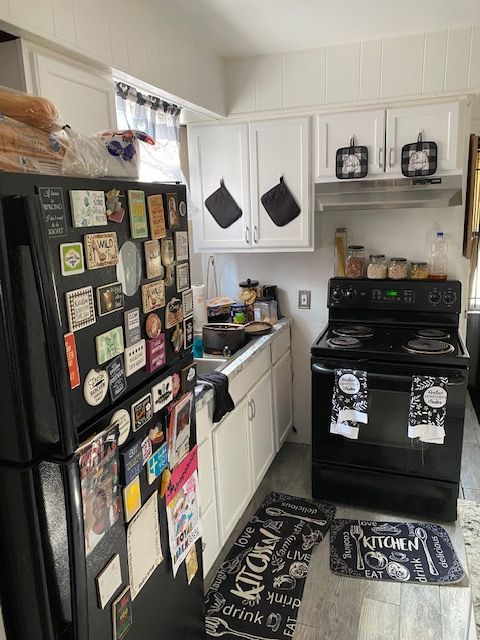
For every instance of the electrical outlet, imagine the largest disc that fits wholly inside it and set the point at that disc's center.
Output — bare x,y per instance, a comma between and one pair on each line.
304,297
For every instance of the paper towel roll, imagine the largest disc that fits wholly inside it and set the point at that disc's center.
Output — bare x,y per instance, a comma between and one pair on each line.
199,307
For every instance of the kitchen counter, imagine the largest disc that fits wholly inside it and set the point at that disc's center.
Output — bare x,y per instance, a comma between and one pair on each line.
239,360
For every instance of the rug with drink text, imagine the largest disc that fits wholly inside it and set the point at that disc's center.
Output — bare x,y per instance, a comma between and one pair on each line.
257,591
397,551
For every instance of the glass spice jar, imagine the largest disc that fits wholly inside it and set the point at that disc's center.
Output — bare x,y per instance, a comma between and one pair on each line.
355,261
377,267
398,269
419,271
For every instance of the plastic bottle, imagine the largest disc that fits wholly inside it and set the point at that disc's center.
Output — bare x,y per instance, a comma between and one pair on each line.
438,258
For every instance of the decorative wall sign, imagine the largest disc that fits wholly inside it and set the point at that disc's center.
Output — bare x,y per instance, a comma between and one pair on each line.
121,419
188,333
135,357
156,356
153,325
95,387
117,383
153,260
71,258
53,211
168,252
131,462
109,344
173,212
132,499
177,339
173,313
115,210
129,268
109,298
80,308
287,529
138,214
181,246
108,581
162,393
88,208
146,449
122,615
153,296
156,216
142,411
399,552
187,303
133,332
187,378
72,361
101,250
157,463
183,277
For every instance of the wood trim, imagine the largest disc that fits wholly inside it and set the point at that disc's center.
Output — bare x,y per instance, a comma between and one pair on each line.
470,198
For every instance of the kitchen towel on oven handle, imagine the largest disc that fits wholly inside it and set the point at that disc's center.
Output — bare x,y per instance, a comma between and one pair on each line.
349,402
428,408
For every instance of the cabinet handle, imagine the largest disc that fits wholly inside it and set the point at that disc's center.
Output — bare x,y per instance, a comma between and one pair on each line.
247,235
254,409
391,156
255,234
380,157
249,405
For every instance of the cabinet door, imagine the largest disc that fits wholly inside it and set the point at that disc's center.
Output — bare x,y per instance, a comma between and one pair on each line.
437,122
85,99
219,153
336,130
282,398
261,428
280,148
233,473
210,539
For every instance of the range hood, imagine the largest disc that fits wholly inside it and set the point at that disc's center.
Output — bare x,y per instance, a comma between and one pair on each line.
399,193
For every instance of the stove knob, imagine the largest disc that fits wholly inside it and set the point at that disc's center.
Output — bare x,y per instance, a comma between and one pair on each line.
434,297
449,298
350,294
337,294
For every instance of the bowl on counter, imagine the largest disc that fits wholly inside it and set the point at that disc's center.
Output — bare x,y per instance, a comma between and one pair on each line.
223,337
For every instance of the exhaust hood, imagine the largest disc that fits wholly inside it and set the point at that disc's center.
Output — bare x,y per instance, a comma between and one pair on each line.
398,193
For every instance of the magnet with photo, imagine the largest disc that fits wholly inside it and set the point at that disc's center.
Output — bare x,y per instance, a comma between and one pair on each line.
173,212
177,338
188,333
167,251
183,277
153,260
173,313
181,246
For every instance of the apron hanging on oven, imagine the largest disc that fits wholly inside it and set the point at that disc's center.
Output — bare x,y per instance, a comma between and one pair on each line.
428,402
349,402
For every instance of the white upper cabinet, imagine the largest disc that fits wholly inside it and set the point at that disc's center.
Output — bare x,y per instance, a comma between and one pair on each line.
219,153
438,122
280,148
334,131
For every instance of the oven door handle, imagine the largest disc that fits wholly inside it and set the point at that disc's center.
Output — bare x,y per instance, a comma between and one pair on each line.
455,381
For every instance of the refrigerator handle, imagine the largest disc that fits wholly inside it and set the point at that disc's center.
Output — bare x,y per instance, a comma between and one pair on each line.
45,279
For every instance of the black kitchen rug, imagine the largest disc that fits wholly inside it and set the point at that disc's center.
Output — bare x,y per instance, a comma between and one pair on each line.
395,551
258,589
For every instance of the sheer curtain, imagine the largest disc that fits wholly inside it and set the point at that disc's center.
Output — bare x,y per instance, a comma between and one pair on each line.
160,120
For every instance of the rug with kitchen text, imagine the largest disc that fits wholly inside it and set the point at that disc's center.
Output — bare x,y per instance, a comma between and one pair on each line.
399,552
258,589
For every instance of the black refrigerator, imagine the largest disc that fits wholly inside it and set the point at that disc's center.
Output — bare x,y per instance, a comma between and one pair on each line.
85,299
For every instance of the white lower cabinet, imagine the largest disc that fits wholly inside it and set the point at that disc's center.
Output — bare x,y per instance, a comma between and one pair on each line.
210,540
260,421
282,398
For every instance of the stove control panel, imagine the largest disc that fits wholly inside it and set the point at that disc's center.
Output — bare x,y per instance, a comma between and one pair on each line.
426,295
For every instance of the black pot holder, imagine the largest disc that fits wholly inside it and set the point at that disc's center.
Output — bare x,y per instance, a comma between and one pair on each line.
419,158
280,204
223,207
351,162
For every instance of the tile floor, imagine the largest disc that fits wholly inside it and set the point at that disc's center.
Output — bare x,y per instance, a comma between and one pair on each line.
339,608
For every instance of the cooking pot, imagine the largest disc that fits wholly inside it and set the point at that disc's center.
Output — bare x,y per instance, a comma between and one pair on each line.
218,335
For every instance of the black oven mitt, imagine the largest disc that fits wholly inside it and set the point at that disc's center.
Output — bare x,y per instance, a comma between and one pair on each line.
280,204
223,207
419,158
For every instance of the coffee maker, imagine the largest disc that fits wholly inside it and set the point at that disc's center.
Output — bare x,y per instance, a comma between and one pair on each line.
269,291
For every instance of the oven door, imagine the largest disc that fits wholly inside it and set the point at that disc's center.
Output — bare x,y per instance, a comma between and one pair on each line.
383,443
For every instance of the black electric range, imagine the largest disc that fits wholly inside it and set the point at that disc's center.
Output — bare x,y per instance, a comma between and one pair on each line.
393,331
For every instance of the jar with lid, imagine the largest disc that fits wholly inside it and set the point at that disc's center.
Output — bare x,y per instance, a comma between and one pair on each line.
398,269
419,271
355,261
377,267
248,294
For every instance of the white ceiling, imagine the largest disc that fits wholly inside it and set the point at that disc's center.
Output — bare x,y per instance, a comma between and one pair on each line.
252,27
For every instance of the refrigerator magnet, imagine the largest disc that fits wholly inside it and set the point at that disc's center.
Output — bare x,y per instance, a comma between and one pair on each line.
181,246
166,477
129,268
191,564
188,333
177,338
153,296
117,382
53,211
146,449
157,463
156,356
156,434
187,376
72,261
115,210
122,615
134,358
176,384
138,214
109,298
132,499
153,325
153,260
109,344
187,302
133,332
101,250
131,462
95,387
80,308
168,252
72,361
182,207
88,208
173,212
121,419
156,217
183,277
162,393
142,411
169,276
108,581
173,313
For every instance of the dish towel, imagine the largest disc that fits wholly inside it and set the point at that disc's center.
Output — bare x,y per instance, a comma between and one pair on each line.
222,400
349,402
428,408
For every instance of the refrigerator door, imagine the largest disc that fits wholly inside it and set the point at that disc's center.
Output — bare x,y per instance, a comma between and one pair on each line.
45,416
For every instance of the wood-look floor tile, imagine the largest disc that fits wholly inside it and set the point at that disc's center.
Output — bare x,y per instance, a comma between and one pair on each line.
420,613
470,475
379,621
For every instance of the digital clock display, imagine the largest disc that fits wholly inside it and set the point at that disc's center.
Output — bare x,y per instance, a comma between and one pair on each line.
391,294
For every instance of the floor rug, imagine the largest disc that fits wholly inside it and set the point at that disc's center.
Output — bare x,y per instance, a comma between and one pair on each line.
395,551
258,589
470,518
